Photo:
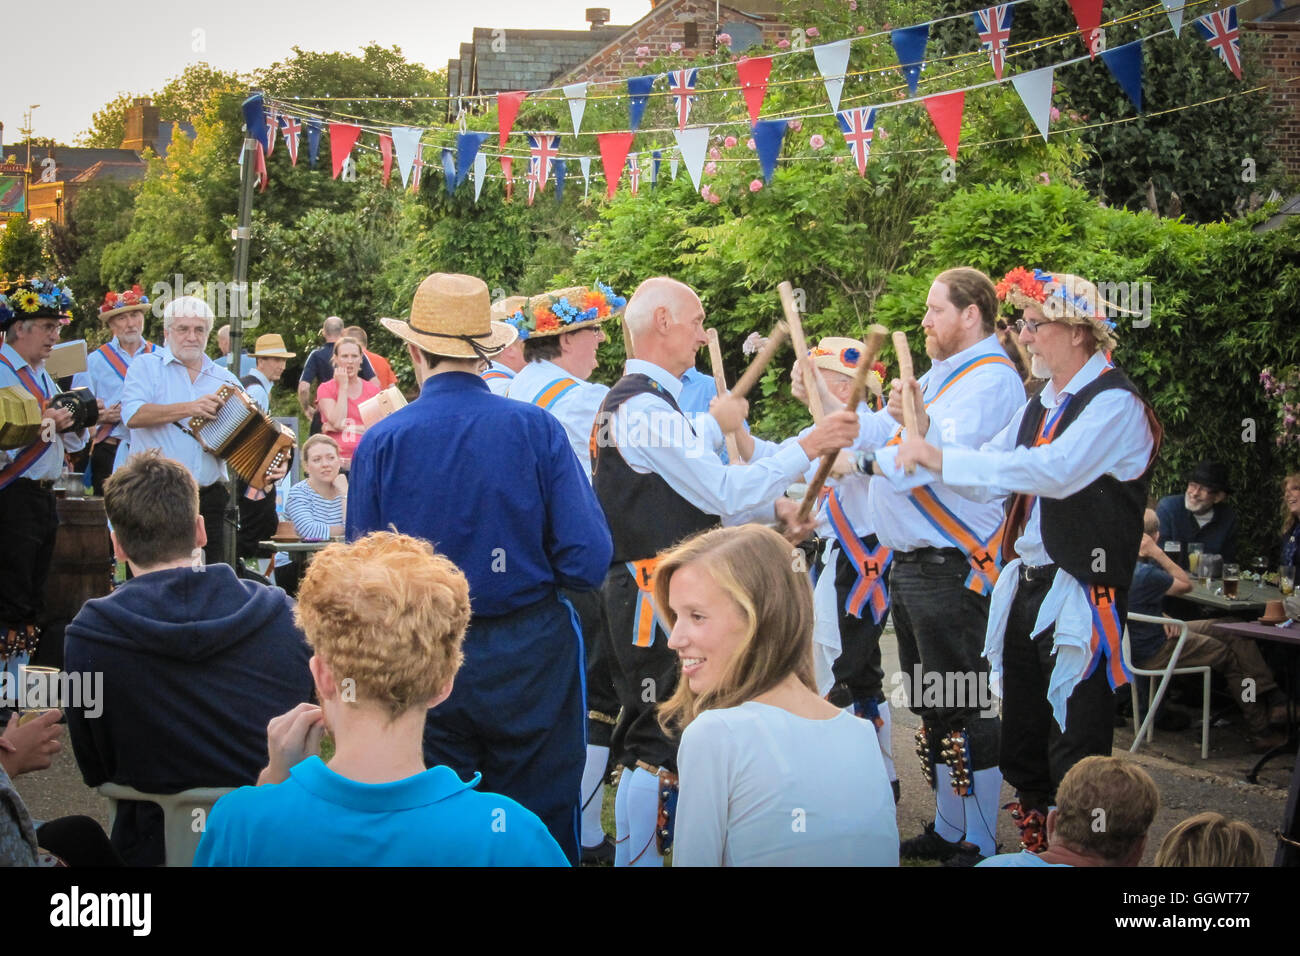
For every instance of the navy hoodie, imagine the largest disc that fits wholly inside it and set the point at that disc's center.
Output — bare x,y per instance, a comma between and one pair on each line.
196,662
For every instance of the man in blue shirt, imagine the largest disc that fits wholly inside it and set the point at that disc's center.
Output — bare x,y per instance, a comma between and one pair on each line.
1200,515
495,485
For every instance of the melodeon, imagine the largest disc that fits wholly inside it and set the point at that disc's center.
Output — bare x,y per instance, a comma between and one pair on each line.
244,437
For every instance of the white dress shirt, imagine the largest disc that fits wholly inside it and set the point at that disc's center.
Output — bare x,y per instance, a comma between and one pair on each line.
500,383
104,382
160,379
49,466
971,411
576,408
655,439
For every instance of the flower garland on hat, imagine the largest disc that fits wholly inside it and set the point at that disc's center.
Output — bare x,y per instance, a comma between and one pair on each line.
122,300
553,315
35,299
1062,298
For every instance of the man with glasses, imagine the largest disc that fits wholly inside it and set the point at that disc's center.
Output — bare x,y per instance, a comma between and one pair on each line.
1076,460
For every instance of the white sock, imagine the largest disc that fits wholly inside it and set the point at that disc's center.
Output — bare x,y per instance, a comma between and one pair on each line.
949,814
621,839
982,810
885,734
593,780
642,819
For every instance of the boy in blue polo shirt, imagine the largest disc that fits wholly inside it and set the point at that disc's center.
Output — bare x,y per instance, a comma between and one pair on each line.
385,617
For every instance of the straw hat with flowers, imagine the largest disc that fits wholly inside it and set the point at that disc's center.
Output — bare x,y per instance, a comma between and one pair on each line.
118,303
838,354
25,299
452,316
566,310
1062,298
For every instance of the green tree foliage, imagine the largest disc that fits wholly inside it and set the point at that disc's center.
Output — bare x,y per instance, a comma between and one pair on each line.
183,99
101,214
22,250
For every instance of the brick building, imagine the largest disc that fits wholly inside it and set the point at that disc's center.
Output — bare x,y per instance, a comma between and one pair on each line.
1281,55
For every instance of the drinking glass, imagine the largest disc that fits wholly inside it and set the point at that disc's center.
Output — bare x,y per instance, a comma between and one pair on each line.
1257,568
1286,579
1194,552
1231,575
37,690
1209,564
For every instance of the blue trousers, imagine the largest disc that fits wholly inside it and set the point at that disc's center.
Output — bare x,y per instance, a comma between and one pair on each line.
517,714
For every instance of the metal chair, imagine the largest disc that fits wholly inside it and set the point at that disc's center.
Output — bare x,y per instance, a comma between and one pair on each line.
180,834
1166,675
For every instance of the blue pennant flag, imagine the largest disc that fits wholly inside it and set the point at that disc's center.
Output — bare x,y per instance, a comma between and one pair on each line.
657,157
768,135
559,168
909,44
449,170
1125,63
467,145
255,120
638,88
313,140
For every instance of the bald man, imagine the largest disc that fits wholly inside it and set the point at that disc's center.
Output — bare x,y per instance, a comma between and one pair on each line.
659,479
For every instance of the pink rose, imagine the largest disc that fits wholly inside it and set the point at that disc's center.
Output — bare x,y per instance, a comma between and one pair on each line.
816,141
674,48
853,4
705,191
838,160
862,29
715,198
643,51
714,153
1054,113
750,143
710,169
783,44
812,32
724,39
882,133
755,185
886,27
1045,179
796,125
729,142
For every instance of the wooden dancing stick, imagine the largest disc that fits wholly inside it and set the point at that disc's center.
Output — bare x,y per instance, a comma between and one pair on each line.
905,375
871,350
801,351
761,361
720,380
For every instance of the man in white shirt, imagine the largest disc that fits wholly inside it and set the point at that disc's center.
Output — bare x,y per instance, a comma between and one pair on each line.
271,358
31,314
943,567
105,374
168,388
1077,459
505,365
659,479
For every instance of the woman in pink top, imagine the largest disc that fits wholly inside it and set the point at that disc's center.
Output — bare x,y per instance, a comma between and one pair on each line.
340,398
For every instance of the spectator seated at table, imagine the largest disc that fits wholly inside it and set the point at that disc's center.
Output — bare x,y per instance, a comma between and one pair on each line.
316,506
1250,682
385,617
1104,808
340,398
1211,839
1199,515
194,660
1290,547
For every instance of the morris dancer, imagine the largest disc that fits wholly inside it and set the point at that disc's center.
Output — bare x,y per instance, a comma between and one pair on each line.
506,364
659,481
1078,458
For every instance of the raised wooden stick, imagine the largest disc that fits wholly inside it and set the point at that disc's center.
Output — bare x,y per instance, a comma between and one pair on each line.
786,291
905,376
720,380
870,352
761,361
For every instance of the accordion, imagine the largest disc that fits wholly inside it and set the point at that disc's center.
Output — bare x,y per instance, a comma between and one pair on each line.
244,437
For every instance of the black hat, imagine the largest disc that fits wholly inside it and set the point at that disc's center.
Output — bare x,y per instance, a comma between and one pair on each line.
1212,475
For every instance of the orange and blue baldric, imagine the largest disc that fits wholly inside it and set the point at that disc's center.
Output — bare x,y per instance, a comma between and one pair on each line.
871,564
495,373
554,391
118,365
26,458
1107,633
645,618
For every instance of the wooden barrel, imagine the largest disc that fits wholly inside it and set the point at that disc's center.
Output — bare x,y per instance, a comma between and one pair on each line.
82,569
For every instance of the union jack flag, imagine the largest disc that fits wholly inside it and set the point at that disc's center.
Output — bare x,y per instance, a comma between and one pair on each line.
634,172
292,130
681,84
272,127
418,167
859,127
994,27
1220,31
542,149
533,163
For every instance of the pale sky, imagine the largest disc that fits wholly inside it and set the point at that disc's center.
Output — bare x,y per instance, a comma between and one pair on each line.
98,49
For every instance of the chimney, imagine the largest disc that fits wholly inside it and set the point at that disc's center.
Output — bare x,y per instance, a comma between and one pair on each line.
141,125
597,16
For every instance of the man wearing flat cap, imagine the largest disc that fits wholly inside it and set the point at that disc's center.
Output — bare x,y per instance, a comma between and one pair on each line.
1200,515
496,486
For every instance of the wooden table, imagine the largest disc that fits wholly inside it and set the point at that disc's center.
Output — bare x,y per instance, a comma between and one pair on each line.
1251,597
299,552
1289,636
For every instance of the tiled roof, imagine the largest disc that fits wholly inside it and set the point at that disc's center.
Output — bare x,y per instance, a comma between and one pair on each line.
530,59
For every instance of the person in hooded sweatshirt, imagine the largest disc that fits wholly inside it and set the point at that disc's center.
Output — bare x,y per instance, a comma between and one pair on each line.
195,661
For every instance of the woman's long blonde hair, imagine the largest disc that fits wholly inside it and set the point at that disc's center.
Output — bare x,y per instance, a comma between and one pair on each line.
1288,519
768,581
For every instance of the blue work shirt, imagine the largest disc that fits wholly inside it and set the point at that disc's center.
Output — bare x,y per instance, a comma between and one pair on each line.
698,390
493,483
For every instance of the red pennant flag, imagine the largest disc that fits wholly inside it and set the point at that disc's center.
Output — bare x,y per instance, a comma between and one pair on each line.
613,156
507,110
945,110
343,136
386,150
508,170
1087,13
753,72
259,167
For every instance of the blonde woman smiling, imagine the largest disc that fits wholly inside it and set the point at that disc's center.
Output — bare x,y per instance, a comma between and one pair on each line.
340,398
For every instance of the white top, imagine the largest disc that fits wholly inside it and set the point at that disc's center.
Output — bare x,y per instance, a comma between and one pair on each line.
576,408
160,379
104,382
653,438
49,466
498,377
762,787
971,411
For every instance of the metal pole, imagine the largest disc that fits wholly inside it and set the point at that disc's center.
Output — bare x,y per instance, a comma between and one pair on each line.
242,234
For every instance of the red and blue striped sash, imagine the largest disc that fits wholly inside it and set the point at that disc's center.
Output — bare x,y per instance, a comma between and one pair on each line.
29,455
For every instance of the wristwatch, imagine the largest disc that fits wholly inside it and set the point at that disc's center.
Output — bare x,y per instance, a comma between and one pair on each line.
863,462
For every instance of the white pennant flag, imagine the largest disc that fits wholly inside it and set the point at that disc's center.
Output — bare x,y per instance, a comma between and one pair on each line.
480,172
585,163
577,94
405,140
672,166
833,62
1175,10
1035,89
692,143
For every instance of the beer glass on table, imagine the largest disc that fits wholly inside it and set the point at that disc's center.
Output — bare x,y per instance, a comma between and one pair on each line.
1231,576
1286,579
1206,567
1195,550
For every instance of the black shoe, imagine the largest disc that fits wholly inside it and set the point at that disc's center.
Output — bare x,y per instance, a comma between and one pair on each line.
968,855
930,846
602,854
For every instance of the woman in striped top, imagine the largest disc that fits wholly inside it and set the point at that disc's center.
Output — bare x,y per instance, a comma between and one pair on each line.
315,506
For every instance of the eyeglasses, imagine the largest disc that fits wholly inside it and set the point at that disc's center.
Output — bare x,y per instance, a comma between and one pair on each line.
1031,325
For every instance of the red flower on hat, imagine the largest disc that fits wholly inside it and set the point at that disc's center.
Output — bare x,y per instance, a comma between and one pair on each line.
1022,280
546,321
